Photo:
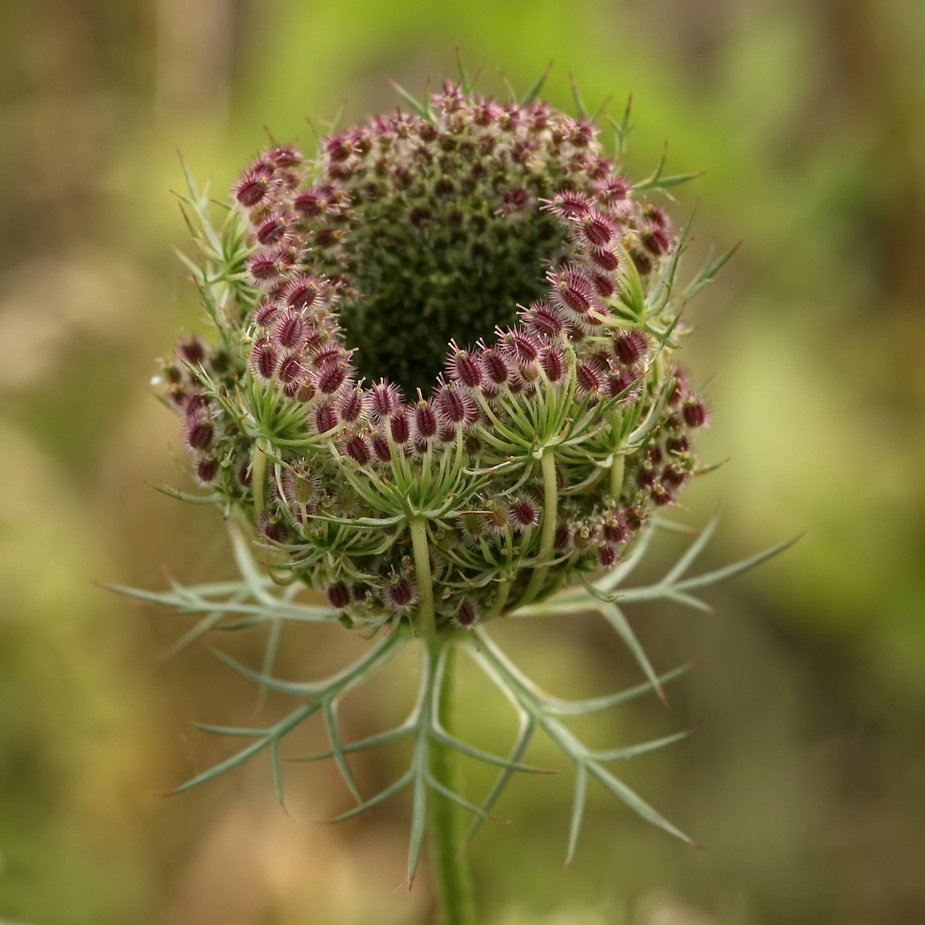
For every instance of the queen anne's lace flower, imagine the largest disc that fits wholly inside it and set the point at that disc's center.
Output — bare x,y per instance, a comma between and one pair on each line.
443,380
441,389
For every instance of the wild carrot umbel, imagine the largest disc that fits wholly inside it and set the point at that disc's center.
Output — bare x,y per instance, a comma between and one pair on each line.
441,390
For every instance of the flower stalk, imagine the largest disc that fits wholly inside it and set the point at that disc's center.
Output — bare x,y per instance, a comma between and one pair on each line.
549,519
426,624
452,875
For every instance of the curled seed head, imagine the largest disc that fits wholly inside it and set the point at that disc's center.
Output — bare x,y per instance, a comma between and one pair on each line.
366,261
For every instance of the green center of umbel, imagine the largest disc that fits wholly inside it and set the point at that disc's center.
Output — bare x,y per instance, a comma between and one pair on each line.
427,273
445,237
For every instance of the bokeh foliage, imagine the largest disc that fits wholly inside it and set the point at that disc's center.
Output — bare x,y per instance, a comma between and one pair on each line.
807,781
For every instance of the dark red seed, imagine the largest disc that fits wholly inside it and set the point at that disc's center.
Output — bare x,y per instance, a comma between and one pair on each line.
542,319
301,292
381,448
206,470
630,346
463,367
358,450
551,360
331,377
607,556
290,369
605,259
338,596
350,406
401,594
595,229
270,231
385,397
192,350
453,406
588,377
399,427
264,313
311,203
264,358
199,434
694,412
325,419
495,367
288,330
519,344
525,513
466,616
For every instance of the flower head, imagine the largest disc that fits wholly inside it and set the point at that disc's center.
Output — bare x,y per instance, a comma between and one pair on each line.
446,337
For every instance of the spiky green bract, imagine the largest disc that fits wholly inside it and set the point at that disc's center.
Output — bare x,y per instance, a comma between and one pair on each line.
254,601
441,382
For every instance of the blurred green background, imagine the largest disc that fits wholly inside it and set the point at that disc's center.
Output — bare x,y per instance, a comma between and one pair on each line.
807,782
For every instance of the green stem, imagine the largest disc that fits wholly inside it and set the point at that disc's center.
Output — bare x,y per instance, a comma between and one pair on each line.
547,538
447,829
259,474
616,476
427,622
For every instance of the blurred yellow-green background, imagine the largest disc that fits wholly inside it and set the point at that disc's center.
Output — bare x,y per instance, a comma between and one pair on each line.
807,781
